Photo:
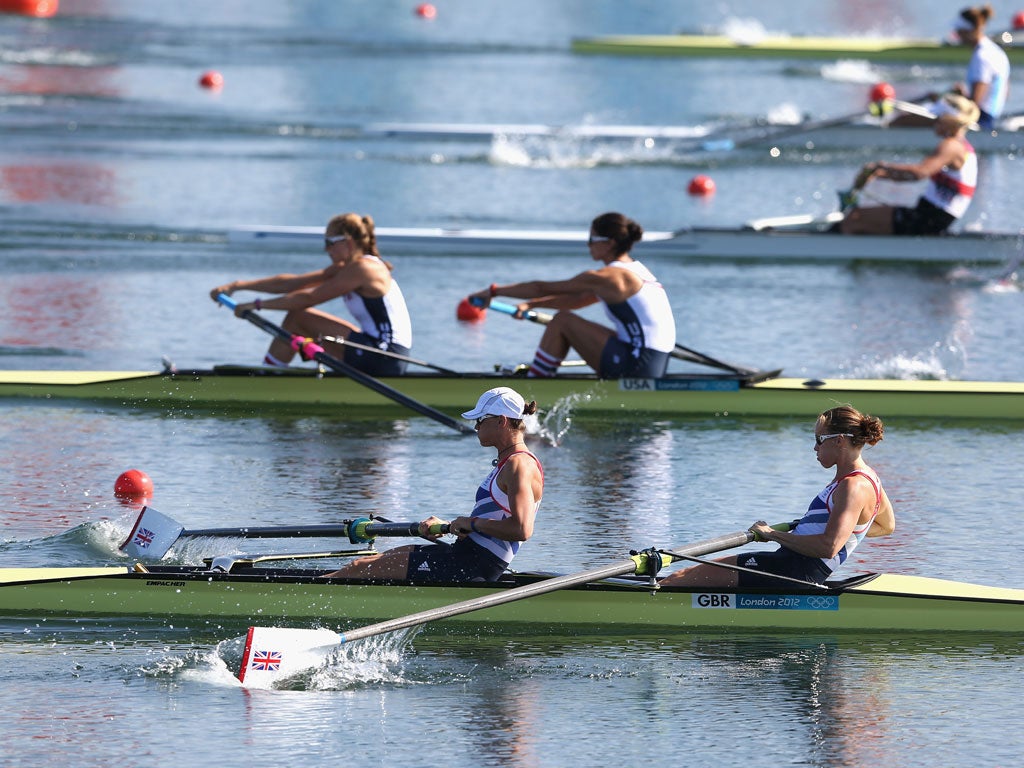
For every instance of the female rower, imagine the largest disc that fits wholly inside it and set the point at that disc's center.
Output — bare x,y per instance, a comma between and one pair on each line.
952,170
633,299
852,506
988,72
359,275
503,513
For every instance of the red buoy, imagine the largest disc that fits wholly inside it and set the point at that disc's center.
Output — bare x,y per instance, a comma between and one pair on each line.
212,79
469,313
1018,20
42,9
133,484
882,91
702,185
426,11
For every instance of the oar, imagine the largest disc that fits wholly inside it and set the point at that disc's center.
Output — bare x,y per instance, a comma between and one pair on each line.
310,350
309,645
921,111
392,355
154,532
766,135
680,352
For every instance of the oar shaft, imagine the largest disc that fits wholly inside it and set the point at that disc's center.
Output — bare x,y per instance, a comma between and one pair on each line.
363,529
271,532
342,367
392,355
633,565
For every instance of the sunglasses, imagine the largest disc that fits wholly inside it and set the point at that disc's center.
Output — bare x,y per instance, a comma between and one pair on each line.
482,419
819,439
597,239
329,241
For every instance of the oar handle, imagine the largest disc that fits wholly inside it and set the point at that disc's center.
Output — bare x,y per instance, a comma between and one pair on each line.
365,530
508,309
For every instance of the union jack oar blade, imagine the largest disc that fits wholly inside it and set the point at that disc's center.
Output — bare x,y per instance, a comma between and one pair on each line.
152,535
276,653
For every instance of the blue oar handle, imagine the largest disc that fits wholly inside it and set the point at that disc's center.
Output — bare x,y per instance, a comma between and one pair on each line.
718,145
509,309
227,301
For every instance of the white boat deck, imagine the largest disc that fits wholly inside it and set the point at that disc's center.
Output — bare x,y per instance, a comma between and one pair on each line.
791,238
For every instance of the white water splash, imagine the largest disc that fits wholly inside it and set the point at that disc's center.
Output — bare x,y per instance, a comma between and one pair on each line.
851,71
570,152
744,31
785,114
369,661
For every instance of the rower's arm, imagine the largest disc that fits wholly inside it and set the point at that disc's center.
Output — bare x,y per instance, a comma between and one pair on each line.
885,521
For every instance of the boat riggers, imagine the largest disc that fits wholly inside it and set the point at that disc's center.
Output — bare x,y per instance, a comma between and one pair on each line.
680,352
316,352
306,347
154,533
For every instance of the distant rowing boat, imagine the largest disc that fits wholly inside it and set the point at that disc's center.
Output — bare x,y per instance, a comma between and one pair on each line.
242,388
786,238
872,603
868,131
911,51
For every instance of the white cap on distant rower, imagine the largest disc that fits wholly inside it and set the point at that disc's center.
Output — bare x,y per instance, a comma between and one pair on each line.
500,401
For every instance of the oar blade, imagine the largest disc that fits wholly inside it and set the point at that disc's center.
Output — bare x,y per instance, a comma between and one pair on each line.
152,535
277,653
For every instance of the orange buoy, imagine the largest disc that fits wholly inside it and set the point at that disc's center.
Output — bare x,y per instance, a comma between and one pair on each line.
133,484
469,313
426,11
212,79
702,186
882,91
42,9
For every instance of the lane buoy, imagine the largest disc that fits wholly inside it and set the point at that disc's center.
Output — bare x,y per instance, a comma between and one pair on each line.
133,484
469,313
882,91
41,9
426,11
702,186
212,79
880,99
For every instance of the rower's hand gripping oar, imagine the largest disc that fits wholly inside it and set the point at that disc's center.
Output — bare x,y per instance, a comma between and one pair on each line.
310,350
680,352
310,646
154,532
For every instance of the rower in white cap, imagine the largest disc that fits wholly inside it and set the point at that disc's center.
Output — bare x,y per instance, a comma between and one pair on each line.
503,512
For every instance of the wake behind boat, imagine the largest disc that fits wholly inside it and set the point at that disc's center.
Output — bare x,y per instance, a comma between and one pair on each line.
245,388
785,238
870,603
855,133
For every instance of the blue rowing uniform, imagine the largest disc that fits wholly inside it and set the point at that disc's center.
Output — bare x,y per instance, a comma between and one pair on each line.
492,504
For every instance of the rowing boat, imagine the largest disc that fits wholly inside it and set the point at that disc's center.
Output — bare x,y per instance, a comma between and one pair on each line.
243,388
786,238
868,603
867,131
909,50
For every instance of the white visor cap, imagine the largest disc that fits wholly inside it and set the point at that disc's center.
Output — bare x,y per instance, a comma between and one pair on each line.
500,401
